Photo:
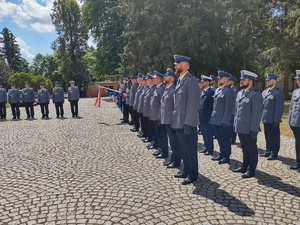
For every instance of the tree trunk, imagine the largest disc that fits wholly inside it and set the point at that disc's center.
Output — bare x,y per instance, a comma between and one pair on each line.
286,81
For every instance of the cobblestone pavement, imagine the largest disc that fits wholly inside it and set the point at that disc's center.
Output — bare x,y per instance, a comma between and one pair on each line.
93,170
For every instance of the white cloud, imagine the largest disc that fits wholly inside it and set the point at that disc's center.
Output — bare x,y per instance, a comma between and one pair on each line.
29,13
24,49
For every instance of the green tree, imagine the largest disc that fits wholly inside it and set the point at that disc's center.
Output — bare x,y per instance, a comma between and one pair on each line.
38,65
107,26
11,50
19,78
71,42
282,53
5,72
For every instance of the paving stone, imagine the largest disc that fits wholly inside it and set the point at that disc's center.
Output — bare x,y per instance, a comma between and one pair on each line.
93,170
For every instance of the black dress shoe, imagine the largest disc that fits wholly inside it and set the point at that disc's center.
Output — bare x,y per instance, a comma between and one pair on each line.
157,153
295,167
134,130
152,147
239,170
224,160
187,181
272,157
146,140
125,121
173,165
203,151
180,175
266,154
131,123
161,156
298,170
166,163
208,153
217,158
248,174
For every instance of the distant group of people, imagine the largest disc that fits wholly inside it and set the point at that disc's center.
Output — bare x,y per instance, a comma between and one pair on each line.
169,107
14,97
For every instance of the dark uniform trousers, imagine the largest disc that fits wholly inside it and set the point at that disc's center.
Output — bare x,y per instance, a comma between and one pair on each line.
130,112
162,139
2,110
142,123
148,128
223,137
188,150
74,107
44,109
250,154
125,111
232,131
176,156
154,132
207,133
296,131
29,109
15,109
272,134
135,118
59,107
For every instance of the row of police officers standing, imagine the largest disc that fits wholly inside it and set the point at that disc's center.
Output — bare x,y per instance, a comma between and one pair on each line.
171,107
14,97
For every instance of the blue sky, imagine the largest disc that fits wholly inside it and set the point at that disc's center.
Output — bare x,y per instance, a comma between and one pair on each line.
30,22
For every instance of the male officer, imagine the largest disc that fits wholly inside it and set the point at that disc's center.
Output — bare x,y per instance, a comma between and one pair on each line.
73,97
186,118
221,116
248,111
206,107
128,87
273,100
133,90
213,82
58,99
44,99
137,97
200,84
155,104
28,99
14,101
294,120
125,109
151,135
231,82
140,108
3,100
165,116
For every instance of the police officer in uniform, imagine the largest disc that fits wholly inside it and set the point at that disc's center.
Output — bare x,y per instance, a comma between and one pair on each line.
14,101
151,135
73,97
273,100
44,99
28,99
213,82
206,107
248,111
140,108
3,100
135,116
231,82
125,109
165,116
185,118
221,116
137,98
128,87
58,99
294,120
155,104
